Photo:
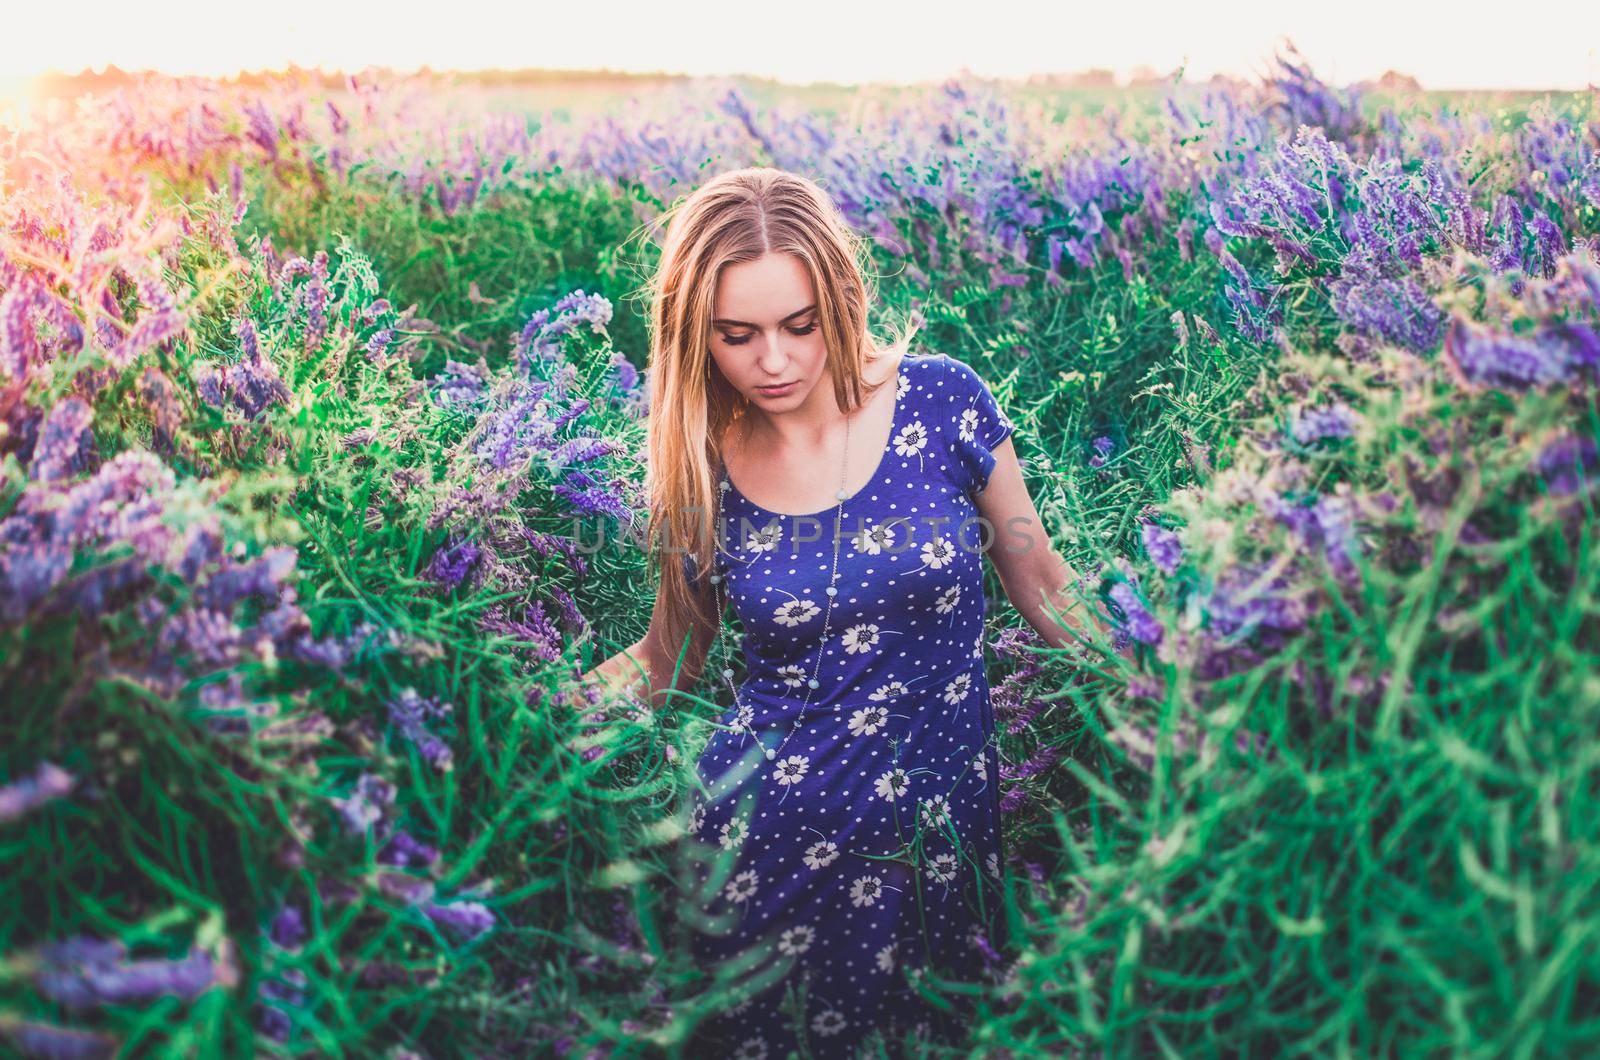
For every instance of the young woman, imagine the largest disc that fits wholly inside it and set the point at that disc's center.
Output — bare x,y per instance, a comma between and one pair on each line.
840,492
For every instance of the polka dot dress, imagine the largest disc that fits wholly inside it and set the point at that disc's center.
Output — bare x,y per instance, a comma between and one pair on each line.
868,851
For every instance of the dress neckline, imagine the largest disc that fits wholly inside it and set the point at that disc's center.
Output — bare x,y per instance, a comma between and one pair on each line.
877,471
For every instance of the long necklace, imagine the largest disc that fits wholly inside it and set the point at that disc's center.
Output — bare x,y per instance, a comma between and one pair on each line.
812,684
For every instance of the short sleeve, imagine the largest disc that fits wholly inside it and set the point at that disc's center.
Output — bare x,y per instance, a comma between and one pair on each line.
976,426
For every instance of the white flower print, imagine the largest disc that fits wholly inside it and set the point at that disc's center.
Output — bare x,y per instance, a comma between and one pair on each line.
868,720
980,765
902,384
740,1009
733,833
893,688
745,717
866,890
886,957
935,811
874,539
957,689
793,675
992,863
791,769
938,552
948,600
942,869
912,439
893,784
697,817
860,638
797,940
821,854
794,612
743,886
753,1048
828,1022
967,426
765,539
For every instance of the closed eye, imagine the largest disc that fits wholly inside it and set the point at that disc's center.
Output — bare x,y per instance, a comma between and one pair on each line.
808,329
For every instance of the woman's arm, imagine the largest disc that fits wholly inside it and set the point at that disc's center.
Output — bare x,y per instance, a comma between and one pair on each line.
646,667
1035,576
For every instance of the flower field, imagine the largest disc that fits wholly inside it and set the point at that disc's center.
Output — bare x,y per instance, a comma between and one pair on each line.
321,420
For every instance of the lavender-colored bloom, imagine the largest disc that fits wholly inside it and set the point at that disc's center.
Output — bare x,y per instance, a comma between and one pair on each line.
533,628
624,374
409,712
103,983
460,384
1013,789
470,919
452,563
1243,601
83,949
1103,446
539,339
288,928
404,851
1328,421
365,806
1568,464
379,343
595,500
1140,623
251,383
64,443
1555,353
1396,311
44,1041
1163,547
49,782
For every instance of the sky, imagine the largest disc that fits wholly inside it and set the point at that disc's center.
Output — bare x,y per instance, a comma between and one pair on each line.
1541,44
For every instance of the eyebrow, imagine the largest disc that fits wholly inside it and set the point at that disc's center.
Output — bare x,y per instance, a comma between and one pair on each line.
785,320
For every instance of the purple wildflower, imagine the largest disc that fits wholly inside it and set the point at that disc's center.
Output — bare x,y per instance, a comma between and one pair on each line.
49,782
288,928
65,442
1103,446
98,982
378,344
1327,421
1163,547
1567,464
404,851
409,712
460,384
452,563
470,919
1242,602
365,806
538,341
1140,623
49,1042
1555,353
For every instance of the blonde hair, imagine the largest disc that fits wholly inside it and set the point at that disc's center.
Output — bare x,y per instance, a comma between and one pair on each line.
736,217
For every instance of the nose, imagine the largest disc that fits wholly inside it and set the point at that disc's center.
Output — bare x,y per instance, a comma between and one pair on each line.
773,360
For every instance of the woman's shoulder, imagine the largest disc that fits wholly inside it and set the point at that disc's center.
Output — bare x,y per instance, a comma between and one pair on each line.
940,375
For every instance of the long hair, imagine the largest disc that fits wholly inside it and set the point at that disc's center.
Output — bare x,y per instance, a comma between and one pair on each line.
736,217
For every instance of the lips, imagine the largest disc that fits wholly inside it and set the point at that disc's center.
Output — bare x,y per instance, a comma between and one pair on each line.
776,391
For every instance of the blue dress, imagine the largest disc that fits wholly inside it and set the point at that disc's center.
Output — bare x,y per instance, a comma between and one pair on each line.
868,851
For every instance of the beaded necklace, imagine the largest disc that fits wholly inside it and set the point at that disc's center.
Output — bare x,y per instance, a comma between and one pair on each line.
812,684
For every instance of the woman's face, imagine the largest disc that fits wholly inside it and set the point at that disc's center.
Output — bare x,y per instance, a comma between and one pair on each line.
765,332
